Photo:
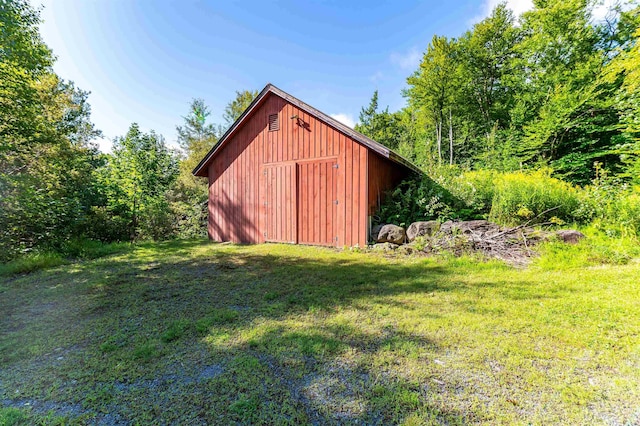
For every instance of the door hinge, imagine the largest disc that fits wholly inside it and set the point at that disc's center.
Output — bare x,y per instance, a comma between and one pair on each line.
264,172
335,202
335,166
265,234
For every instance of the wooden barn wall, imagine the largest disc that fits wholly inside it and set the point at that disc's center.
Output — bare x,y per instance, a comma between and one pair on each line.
384,175
237,187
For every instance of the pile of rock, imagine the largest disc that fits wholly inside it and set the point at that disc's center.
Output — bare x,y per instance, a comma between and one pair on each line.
512,245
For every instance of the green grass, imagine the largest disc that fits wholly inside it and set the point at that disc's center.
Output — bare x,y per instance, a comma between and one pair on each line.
30,263
190,332
76,249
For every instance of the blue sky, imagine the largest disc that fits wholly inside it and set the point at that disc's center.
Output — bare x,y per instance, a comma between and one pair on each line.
143,61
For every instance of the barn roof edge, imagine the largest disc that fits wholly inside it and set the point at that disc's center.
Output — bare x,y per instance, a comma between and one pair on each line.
357,136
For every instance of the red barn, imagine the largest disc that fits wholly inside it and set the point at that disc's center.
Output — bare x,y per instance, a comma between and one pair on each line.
286,172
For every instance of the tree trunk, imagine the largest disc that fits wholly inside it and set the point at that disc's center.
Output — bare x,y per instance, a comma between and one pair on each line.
439,140
450,139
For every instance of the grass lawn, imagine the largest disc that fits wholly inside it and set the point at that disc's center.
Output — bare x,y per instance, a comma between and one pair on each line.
198,333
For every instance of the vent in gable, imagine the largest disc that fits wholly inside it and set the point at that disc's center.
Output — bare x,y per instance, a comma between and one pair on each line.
273,122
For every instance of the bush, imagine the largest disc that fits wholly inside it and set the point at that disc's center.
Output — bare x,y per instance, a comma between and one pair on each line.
420,199
506,198
522,196
156,221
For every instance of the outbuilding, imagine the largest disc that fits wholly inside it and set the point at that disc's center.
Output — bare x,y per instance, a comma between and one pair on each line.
286,172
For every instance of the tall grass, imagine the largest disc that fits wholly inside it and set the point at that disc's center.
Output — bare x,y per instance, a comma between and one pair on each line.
70,250
512,198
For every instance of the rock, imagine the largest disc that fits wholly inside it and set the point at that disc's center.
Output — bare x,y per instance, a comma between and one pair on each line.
570,236
384,247
446,227
375,231
468,227
406,249
418,229
391,234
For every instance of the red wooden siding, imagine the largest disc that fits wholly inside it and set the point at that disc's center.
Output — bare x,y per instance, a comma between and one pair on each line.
317,197
280,203
383,176
264,185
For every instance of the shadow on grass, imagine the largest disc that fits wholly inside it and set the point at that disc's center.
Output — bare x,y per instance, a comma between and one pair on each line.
281,328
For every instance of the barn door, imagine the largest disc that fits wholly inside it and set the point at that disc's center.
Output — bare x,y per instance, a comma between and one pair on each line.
280,203
317,202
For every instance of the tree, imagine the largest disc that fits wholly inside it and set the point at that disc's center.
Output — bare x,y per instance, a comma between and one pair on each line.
567,114
379,126
137,177
236,107
190,193
432,86
625,69
46,161
196,136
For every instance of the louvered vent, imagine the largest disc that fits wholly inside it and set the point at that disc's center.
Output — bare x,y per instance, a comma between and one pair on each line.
273,122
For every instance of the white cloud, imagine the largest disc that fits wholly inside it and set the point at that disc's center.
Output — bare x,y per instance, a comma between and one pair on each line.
104,144
601,10
344,119
407,61
376,77
516,6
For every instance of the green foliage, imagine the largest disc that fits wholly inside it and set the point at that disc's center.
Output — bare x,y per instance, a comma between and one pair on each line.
521,196
136,180
31,262
419,199
599,248
614,205
506,198
545,92
46,161
236,107
196,135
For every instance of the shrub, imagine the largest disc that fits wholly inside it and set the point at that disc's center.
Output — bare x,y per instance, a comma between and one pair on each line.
506,198
521,196
418,199
156,220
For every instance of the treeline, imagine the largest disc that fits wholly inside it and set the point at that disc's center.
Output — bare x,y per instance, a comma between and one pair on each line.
58,192
554,88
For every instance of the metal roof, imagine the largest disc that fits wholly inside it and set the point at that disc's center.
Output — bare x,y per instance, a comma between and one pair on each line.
200,169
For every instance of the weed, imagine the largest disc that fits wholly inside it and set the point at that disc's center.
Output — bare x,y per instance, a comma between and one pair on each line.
216,317
175,330
341,337
31,262
146,352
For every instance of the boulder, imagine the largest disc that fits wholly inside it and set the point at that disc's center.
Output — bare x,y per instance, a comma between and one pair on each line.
375,231
570,236
468,227
419,229
384,247
391,234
